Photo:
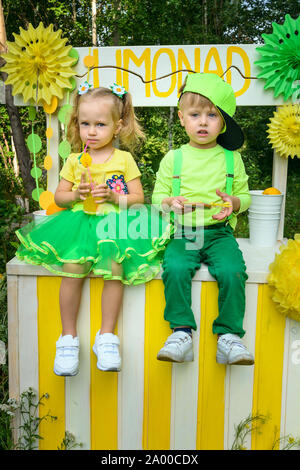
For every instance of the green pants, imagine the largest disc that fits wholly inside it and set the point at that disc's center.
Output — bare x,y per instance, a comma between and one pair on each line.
220,251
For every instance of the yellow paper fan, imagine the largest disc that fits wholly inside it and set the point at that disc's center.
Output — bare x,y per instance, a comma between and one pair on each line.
284,131
38,64
284,279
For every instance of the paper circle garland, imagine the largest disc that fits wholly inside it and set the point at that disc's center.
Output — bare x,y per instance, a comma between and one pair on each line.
89,61
34,143
280,62
46,198
64,113
48,162
36,194
284,131
284,279
64,149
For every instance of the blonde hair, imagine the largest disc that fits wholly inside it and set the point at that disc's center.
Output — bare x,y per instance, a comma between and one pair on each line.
192,99
122,108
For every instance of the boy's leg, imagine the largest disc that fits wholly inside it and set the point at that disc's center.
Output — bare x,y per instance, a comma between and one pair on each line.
179,267
226,264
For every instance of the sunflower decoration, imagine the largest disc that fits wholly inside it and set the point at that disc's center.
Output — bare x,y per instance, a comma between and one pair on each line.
280,59
38,64
284,279
284,131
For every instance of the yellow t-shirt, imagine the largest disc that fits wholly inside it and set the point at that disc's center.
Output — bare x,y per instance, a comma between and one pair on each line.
120,169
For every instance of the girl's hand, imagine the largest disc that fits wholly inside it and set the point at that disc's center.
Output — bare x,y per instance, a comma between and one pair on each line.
102,193
176,205
83,188
226,211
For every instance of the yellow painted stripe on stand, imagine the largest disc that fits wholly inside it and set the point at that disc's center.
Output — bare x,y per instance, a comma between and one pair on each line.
49,329
157,374
96,71
211,395
267,387
104,385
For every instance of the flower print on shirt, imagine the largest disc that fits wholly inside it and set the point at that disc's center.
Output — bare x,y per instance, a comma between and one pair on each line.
117,184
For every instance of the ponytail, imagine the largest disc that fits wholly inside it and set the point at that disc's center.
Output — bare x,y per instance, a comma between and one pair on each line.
131,132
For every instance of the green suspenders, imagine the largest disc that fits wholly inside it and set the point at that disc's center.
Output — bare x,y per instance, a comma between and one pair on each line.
177,171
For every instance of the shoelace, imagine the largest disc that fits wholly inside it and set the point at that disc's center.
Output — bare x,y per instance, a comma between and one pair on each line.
177,340
110,348
237,343
64,350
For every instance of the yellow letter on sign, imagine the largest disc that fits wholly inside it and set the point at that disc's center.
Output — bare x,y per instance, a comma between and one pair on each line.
213,53
238,50
145,57
170,53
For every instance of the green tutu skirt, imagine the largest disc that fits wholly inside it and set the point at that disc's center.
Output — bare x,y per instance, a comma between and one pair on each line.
126,246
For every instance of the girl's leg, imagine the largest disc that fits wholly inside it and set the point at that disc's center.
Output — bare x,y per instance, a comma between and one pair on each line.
112,297
69,299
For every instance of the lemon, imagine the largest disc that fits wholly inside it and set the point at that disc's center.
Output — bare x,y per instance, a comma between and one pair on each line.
272,191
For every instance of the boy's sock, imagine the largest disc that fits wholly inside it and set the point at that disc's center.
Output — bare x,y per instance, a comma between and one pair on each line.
186,330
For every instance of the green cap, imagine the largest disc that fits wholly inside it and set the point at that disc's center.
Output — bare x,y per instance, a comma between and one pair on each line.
214,88
222,96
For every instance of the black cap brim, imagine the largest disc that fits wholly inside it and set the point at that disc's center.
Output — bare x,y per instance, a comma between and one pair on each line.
233,138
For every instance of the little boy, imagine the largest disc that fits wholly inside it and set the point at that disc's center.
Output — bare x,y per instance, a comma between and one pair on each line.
205,170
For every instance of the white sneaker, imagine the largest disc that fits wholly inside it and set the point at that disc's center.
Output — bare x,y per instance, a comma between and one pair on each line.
106,348
231,350
177,348
67,355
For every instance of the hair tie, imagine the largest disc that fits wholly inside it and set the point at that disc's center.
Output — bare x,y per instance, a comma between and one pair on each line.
118,90
84,88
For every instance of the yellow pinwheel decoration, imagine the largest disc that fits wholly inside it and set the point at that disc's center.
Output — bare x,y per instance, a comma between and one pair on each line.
38,64
284,131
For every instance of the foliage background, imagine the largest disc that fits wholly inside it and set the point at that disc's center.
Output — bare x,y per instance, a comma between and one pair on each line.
151,22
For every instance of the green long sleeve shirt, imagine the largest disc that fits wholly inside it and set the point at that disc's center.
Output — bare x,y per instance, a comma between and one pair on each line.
203,171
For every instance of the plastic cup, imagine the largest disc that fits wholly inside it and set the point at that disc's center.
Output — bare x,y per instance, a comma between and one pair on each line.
89,205
264,230
265,202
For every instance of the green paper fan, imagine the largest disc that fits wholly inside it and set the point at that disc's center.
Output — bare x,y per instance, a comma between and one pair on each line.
280,58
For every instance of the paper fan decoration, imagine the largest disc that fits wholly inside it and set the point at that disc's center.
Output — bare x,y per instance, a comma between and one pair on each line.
284,279
284,131
280,58
38,64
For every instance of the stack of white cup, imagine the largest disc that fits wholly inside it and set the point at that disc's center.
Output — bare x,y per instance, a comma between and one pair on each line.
264,217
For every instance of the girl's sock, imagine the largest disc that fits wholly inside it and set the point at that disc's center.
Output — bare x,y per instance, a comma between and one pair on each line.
186,330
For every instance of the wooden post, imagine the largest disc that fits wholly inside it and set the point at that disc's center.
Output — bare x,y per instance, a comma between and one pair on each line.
52,150
279,181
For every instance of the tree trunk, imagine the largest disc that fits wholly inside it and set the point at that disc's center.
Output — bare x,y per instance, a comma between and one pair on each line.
23,154
116,31
94,26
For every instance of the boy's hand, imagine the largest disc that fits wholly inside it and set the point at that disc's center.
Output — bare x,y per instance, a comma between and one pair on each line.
83,188
176,205
226,211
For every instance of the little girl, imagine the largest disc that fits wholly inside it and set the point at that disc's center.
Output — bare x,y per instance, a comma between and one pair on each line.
94,232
